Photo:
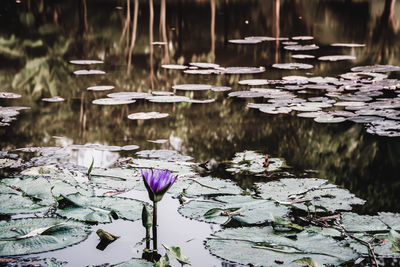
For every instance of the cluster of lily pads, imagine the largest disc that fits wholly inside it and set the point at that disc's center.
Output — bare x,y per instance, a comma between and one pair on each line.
303,221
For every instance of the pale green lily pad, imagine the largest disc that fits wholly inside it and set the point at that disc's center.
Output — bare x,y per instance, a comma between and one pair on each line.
384,245
382,222
204,186
100,87
147,115
253,162
134,262
112,101
245,209
192,87
35,235
262,247
292,66
168,99
117,178
14,203
99,209
182,168
89,72
318,191
5,163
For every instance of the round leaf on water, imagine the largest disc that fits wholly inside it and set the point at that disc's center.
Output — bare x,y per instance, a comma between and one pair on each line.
353,222
85,62
129,95
302,56
88,72
147,115
135,262
327,118
244,209
9,95
301,47
53,99
204,65
243,70
322,195
112,101
292,66
164,154
168,99
99,209
337,58
253,162
376,68
254,82
35,235
116,178
174,67
351,45
263,247
101,88
192,87
182,168
221,88
385,245
244,41
14,203
201,101
302,38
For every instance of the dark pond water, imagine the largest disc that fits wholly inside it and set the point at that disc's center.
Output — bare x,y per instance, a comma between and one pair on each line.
38,39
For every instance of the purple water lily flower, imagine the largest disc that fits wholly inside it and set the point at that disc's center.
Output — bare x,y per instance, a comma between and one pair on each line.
157,182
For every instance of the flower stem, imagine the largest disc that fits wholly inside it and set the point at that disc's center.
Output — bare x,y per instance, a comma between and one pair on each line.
155,225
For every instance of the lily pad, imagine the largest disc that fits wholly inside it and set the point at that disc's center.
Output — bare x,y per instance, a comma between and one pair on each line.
384,245
302,56
168,99
129,95
182,168
221,88
292,66
117,178
192,87
174,67
201,101
243,70
204,65
135,262
164,154
13,202
101,88
99,209
246,94
147,115
35,235
253,162
244,41
317,191
86,62
301,47
112,101
202,71
89,72
328,118
258,246
376,68
245,209
351,45
337,58
353,222
9,95
302,38
53,99
254,82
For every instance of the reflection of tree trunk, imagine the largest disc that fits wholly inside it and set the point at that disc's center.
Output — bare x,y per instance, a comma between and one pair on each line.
82,116
133,39
180,28
212,27
83,24
127,22
163,29
151,22
387,17
226,21
276,30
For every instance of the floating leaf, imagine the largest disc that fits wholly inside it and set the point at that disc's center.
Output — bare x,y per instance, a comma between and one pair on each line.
254,82
245,209
337,58
147,115
173,67
99,209
244,41
263,247
221,88
302,56
129,95
243,70
318,191
89,72
292,66
253,162
301,47
302,38
351,45
376,68
204,65
9,95
307,261
327,118
58,234
168,99
176,252
14,203
164,154
192,87
85,62
101,88
112,101
53,99
353,222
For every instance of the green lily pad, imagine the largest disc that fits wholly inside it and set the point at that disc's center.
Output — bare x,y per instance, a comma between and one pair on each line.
13,202
99,209
263,247
353,222
134,262
323,195
147,115
384,245
253,162
35,235
182,168
117,178
245,209
5,163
